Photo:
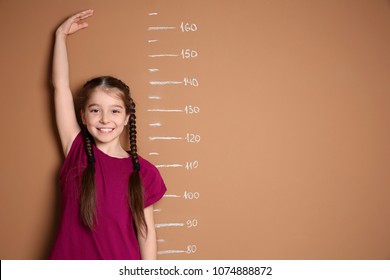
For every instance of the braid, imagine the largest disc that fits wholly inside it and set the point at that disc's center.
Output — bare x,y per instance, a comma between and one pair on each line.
88,190
136,195
88,148
133,137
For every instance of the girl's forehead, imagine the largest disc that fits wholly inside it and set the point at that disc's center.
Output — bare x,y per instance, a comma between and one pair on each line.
106,96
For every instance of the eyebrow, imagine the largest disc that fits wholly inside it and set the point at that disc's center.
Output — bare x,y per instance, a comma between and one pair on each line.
116,106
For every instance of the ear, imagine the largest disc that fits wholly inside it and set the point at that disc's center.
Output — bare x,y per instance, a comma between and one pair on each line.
127,120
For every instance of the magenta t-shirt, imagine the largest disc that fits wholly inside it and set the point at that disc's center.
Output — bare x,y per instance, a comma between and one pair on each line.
113,236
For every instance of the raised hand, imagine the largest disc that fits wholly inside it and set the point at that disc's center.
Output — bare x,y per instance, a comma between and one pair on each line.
73,24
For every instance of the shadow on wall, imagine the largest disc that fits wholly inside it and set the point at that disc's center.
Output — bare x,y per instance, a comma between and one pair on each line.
56,202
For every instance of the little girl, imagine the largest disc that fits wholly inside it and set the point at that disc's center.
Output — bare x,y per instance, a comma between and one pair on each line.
107,192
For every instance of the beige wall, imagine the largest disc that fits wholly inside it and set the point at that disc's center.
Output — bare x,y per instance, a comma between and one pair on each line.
293,158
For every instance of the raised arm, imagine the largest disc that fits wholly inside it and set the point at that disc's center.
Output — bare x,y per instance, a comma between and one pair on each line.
63,99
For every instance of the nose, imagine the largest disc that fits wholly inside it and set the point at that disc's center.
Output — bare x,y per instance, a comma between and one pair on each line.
103,118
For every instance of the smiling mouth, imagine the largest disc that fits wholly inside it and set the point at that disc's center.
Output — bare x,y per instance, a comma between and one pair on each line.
105,130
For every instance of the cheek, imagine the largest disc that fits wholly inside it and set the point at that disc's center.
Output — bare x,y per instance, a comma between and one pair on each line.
89,119
85,118
123,120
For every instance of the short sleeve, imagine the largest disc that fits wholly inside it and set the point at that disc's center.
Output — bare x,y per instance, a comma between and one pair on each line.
154,186
76,156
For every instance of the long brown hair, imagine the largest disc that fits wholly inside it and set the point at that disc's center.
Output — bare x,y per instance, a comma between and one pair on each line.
88,188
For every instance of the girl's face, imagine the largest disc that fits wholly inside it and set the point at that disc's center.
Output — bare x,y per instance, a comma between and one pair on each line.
105,116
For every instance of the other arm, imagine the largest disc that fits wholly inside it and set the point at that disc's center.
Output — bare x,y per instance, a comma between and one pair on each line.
148,244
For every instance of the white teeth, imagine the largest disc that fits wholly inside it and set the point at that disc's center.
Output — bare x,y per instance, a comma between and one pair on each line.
106,129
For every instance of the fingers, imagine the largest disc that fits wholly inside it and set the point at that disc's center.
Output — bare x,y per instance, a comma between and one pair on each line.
73,24
82,25
82,15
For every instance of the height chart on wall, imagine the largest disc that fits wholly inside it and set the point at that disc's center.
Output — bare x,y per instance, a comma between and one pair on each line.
173,112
